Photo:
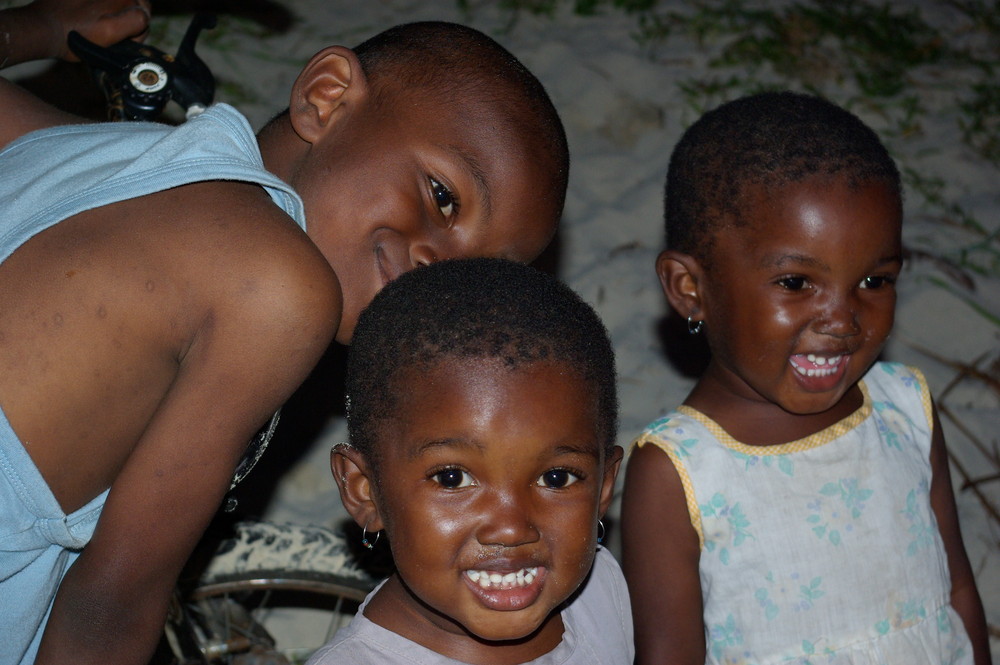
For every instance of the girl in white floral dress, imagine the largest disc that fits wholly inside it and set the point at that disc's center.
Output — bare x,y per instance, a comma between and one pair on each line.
797,508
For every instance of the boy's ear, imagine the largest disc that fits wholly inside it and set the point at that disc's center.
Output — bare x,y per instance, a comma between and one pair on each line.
681,277
611,467
331,82
357,486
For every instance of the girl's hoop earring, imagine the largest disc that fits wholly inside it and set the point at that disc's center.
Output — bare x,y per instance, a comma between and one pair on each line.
694,327
364,537
600,532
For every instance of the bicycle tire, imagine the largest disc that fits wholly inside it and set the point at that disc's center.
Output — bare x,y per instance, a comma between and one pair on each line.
266,567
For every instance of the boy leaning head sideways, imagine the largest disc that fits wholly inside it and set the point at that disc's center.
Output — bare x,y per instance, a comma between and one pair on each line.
482,415
426,142
183,269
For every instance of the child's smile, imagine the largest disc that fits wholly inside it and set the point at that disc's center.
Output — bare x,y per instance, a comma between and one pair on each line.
492,481
421,184
799,302
505,591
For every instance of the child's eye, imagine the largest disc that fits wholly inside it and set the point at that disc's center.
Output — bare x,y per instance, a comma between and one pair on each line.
446,202
792,283
877,281
452,478
557,478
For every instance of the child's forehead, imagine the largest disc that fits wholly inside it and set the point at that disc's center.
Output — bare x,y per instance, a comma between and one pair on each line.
766,211
460,394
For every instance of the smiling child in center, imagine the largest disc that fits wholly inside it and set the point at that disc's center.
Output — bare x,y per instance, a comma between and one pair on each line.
482,414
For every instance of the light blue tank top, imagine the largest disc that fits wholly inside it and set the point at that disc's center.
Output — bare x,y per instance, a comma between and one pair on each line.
46,177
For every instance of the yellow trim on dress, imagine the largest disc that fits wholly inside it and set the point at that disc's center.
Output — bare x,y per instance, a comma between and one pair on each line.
820,438
925,397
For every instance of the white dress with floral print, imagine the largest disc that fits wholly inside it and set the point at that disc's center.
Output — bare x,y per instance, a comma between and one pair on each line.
822,550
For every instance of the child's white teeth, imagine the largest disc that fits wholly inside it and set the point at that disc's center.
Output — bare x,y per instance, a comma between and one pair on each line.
823,360
825,365
489,580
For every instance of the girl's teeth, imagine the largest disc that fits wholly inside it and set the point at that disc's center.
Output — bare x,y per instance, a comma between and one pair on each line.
822,365
488,580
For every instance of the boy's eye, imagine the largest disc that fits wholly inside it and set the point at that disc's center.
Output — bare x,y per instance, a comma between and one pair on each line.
792,283
443,198
877,281
452,478
557,478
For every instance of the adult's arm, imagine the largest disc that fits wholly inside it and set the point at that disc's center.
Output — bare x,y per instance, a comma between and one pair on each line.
964,595
660,553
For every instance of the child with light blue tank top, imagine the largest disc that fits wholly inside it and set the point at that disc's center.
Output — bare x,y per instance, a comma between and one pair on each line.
797,508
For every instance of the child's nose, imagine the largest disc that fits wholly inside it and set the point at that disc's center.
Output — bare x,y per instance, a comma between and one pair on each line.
423,254
840,316
506,520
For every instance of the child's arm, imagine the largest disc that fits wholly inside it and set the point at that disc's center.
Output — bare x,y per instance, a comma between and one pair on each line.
38,31
270,312
660,552
964,596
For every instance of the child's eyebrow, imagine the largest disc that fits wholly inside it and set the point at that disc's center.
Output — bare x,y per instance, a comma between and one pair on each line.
478,176
446,443
589,448
780,260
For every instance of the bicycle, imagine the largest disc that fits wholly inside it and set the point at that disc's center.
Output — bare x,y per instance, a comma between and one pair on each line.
262,578
265,582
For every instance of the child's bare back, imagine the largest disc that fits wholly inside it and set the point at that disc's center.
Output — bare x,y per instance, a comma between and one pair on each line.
107,314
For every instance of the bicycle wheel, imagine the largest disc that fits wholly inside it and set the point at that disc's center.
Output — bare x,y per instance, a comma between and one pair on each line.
270,595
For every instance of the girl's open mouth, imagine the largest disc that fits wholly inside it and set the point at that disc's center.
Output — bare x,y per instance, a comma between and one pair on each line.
818,371
506,591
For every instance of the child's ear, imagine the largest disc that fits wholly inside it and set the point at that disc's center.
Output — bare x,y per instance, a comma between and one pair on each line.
332,81
353,476
611,466
680,275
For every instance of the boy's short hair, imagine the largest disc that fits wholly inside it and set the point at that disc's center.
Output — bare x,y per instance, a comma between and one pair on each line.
765,140
452,61
481,308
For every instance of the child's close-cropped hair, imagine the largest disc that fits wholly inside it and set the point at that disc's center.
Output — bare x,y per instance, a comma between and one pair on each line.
766,140
473,308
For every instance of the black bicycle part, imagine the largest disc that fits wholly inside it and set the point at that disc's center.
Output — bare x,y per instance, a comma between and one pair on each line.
139,79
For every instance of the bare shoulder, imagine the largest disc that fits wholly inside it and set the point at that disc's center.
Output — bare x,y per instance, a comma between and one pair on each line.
245,255
205,295
239,221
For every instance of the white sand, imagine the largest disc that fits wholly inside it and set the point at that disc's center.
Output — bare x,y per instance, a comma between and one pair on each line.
623,111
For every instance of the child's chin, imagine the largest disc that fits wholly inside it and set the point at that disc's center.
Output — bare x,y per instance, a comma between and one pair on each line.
507,629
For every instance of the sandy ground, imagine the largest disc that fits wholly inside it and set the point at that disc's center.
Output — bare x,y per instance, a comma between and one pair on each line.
623,106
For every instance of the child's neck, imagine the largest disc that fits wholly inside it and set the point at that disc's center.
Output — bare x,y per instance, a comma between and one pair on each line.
758,422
